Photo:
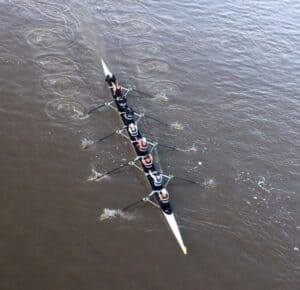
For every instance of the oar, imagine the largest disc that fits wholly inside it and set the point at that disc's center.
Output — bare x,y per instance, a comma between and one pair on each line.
113,170
140,92
187,180
170,147
157,120
132,204
85,146
105,137
95,109
143,93
144,199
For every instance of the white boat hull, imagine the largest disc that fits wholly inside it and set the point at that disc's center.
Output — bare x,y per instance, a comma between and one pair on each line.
174,227
105,69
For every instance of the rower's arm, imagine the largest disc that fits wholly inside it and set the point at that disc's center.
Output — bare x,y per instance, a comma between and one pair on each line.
152,193
152,143
150,173
168,176
137,158
126,91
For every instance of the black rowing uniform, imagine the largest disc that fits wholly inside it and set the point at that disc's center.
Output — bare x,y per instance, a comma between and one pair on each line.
122,103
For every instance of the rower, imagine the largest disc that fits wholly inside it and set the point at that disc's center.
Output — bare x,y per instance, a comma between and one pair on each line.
133,130
156,179
117,90
163,196
147,162
142,145
129,115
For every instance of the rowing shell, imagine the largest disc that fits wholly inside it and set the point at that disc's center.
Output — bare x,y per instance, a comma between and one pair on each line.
166,211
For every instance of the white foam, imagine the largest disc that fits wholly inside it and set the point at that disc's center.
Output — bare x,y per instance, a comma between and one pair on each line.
96,176
85,143
177,126
109,213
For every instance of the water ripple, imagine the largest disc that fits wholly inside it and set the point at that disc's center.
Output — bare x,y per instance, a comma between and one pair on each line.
142,49
65,110
165,87
55,63
46,37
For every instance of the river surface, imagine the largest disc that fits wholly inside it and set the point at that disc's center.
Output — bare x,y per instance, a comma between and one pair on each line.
224,74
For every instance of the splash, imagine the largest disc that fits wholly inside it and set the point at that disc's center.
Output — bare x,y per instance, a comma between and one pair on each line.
261,183
210,183
80,113
115,213
177,126
96,176
161,97
85,143
193,148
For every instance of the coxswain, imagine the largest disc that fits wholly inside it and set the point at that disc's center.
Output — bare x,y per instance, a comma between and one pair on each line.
147,162
110,79
156,179
133,129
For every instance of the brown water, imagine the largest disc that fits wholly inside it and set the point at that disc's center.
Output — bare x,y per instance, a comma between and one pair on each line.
226,72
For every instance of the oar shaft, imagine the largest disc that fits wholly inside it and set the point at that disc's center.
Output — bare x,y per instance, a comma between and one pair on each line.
170,147
186,179
113,170
95,109
157,120
143,93
105,137
132,205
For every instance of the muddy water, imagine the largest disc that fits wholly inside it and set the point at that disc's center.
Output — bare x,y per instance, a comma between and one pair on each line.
224,74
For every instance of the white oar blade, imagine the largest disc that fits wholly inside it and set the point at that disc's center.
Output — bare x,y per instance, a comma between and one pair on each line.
174,227
105,69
